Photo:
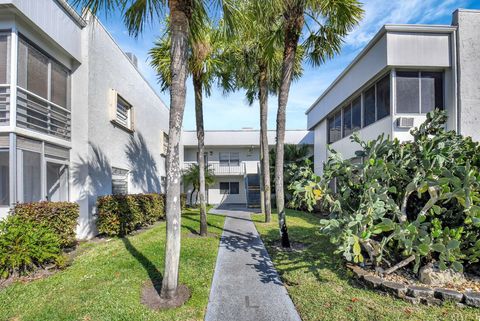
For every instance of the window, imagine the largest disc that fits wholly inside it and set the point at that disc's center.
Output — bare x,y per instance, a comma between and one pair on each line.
357,114
123,114
119,181
432,91
229,188
369,106
229,158
57,182
4,58
347,121
352,117
4,178
42,93
224,187
408,92
32,69
59,87
383,97
419,92
334,127
32,179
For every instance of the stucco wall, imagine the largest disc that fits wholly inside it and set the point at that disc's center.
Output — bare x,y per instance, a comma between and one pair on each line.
49,18
98,145
468,53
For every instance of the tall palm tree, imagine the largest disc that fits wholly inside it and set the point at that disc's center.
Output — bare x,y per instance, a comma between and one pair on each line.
203,63
324,23
137,13
253,60
192,176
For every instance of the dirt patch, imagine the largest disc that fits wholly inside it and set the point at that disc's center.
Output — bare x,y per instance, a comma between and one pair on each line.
151,297
37,275
294,247
196,235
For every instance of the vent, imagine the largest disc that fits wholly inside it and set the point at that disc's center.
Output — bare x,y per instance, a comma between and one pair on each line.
132,58
405,122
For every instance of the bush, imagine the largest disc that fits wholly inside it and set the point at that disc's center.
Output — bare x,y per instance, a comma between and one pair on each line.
119,215
26,245
416,201
61,217
151,206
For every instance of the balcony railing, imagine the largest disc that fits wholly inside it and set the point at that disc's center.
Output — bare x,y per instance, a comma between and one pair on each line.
4,105
220,170
37,113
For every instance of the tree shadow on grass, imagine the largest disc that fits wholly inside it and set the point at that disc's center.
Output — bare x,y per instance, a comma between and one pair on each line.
153,273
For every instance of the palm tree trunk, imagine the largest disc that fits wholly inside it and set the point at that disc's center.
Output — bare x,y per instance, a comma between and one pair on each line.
265,157
191,196
260,173
180,13
293,27
197,87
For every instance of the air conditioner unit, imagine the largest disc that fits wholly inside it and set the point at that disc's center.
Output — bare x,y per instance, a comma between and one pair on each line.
405,122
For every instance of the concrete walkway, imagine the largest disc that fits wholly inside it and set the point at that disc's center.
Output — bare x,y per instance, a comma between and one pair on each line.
246,285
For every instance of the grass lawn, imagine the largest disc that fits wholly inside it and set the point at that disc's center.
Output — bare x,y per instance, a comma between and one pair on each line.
321,288
104,282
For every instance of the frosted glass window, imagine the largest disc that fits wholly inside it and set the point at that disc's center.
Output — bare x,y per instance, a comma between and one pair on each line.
4,59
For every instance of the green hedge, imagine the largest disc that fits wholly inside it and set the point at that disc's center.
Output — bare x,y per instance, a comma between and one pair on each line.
61,217
26,245
119,215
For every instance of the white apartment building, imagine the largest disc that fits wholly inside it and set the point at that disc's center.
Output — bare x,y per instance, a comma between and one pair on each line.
77,119
234,157
404,72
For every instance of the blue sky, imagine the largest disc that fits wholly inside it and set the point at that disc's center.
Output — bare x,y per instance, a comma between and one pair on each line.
232,111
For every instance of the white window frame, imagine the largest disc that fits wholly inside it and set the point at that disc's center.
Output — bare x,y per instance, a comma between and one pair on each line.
128,124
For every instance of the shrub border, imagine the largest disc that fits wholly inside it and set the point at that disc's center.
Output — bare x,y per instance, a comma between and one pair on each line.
413,293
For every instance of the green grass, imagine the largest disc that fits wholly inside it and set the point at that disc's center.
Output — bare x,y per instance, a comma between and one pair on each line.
104,282
322,289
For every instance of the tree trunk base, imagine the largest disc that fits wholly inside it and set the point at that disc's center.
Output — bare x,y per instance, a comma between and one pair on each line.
151,297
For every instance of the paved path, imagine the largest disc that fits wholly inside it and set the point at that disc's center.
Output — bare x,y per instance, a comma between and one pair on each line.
246,285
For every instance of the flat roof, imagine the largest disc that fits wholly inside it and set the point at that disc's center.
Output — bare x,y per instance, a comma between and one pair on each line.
386,28
245,137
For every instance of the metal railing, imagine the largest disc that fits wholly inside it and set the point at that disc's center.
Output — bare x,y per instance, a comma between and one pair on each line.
4,105
220,169
37,113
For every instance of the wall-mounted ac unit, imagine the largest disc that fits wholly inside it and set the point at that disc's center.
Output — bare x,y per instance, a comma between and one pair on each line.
405,122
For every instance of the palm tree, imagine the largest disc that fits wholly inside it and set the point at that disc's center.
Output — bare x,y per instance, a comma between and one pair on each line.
192,176
253,60
203,63
325,23
136,14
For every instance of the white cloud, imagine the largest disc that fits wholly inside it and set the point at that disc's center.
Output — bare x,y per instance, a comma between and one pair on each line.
381,12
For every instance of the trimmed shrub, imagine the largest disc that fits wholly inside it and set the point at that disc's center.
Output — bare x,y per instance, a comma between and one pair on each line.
26,245
151,206
118,215
61,217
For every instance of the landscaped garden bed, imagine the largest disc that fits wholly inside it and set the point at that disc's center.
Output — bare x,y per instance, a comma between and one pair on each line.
104,282
323,288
